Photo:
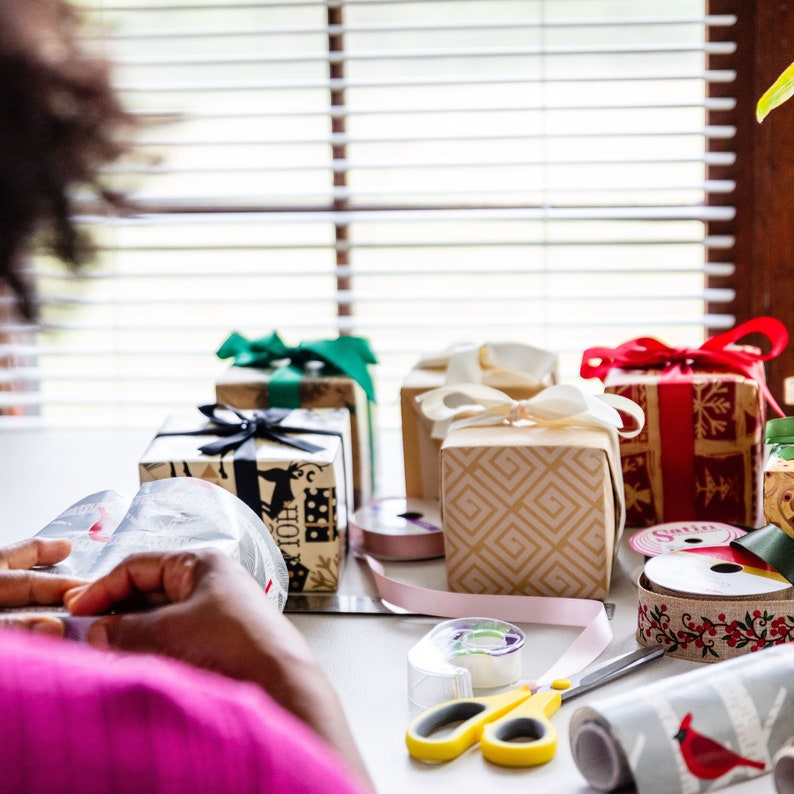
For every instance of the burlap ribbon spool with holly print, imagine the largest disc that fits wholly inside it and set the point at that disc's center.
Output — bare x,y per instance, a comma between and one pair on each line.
713,603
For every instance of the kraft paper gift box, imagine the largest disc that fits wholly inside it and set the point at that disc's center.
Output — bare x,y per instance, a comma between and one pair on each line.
516,369
329,373
778,473
701,453
532,504
289,466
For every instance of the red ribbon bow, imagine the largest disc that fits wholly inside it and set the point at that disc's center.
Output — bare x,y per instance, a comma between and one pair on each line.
718,352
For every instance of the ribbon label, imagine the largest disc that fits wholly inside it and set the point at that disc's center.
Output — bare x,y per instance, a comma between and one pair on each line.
287,465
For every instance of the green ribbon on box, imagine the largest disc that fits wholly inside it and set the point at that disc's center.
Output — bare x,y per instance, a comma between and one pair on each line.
345,355
780,433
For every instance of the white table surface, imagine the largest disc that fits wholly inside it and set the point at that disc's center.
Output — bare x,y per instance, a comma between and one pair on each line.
43,472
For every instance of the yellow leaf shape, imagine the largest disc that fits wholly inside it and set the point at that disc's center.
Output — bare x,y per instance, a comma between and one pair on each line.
776,94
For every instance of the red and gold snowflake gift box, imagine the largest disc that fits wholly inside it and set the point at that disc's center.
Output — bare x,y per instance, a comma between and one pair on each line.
700,454
531,490
516,369
326,373
288,465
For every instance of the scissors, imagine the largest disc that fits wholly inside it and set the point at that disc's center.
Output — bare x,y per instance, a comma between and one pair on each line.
513,728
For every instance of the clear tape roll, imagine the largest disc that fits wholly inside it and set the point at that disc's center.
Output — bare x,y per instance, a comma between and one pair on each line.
461,655
706,728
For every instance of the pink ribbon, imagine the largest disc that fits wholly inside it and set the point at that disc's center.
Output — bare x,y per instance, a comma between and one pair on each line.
587,614
717,353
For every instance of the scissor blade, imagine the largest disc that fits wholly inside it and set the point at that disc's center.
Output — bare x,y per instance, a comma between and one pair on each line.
615,668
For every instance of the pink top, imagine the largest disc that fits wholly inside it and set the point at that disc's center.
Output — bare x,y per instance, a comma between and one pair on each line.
75,719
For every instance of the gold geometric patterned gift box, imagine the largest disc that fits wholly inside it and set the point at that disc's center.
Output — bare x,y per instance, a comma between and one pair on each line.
531,492
290,466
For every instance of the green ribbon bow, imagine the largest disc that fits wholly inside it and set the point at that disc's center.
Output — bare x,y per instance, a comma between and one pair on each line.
345,355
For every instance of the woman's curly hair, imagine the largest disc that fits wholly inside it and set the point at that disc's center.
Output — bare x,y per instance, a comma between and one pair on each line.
60,123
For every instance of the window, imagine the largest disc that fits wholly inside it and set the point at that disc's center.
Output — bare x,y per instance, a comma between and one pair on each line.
418,172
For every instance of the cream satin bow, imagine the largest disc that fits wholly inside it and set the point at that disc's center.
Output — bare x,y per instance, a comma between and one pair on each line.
451,407
508,361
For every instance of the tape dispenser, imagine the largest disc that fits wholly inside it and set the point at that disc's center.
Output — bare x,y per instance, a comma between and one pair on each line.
461,655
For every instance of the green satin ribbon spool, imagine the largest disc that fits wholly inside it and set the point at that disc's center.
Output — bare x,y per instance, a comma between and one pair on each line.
345,355
780,433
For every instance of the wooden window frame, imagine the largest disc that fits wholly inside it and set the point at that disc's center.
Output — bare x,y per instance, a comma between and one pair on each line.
763,227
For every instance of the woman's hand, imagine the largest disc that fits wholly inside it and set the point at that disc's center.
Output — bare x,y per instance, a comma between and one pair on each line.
20,586
203,608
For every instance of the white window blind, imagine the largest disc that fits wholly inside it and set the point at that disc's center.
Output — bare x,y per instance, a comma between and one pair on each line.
418,172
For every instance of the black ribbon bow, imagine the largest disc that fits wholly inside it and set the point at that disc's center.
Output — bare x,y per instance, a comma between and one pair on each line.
238,432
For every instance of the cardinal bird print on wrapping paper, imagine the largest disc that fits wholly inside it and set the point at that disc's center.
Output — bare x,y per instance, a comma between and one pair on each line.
705,758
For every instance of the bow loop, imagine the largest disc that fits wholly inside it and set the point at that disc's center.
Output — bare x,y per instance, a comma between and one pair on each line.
346,355
495,362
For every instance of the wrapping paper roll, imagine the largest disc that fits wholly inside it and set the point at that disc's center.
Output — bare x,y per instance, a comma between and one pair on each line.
784,770
720,615
701,730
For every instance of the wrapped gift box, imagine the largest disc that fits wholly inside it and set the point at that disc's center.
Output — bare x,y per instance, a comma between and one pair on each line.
778,502
531,490
309,383
531,510
700,454
302,494
518,370
249,388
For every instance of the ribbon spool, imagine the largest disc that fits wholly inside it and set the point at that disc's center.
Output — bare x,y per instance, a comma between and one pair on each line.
461,655
713,603
677,535
396,528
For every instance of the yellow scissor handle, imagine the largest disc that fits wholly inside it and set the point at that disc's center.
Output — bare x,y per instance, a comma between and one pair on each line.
526,735
428,739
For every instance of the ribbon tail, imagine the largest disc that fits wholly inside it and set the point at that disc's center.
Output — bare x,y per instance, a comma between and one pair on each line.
349,357
297,443
586,614
223,445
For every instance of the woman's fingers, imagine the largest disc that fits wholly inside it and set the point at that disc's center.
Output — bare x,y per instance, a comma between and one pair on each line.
20,588
38,624
33,551
148,579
